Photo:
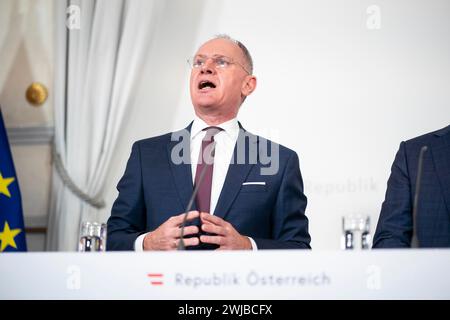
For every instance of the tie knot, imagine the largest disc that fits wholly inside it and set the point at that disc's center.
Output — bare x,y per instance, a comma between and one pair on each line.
211,132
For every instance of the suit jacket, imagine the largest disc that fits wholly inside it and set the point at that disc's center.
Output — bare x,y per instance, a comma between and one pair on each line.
154,188
395,225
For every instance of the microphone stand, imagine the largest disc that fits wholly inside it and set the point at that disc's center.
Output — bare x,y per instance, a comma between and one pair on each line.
181,245
415,240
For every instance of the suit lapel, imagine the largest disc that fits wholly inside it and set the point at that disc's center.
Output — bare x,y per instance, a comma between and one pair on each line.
182,173
441,157
236,175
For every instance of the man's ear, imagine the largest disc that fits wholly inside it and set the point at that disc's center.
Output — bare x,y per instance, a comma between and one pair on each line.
249,85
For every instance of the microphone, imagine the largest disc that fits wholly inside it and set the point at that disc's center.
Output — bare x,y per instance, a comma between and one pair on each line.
181,245
415,240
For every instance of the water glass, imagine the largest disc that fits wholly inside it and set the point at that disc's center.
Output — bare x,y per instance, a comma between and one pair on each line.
92,237
356,232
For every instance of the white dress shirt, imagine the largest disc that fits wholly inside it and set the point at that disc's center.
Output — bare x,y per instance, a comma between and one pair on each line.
225,143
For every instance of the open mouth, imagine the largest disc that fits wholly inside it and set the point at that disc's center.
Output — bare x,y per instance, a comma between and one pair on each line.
206,85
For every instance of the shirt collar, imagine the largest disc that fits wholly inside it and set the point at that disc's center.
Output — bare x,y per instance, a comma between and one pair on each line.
230,127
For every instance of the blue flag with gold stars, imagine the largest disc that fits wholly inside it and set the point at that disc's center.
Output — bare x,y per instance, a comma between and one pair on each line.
12,229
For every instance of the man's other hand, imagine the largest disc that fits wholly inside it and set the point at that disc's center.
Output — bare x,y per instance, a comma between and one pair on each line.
226,236
167,235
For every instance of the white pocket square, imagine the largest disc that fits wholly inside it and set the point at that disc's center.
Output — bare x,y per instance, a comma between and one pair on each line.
254,183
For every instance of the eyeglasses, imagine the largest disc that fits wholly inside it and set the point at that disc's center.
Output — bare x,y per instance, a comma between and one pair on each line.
219,62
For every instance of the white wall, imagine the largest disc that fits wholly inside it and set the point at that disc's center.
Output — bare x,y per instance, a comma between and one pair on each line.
339,94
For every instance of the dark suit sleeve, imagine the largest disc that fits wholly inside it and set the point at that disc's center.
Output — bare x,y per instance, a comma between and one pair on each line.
290,224
128,213
394,227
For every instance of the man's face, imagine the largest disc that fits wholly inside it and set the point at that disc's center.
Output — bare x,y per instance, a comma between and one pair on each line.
220,90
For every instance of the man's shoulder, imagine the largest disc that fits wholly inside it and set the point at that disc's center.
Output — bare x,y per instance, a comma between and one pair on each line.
284,151
413,146
162,140
427,138
153,141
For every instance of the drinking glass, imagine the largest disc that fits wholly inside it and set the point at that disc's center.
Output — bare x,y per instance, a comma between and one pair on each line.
356,232
92,237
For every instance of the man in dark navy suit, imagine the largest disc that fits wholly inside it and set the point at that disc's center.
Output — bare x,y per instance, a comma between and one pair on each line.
250,193
395,225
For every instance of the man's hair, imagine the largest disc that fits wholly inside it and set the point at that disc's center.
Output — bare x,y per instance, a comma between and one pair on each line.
247,56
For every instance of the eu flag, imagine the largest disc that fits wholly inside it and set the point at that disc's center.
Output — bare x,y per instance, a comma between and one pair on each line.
12,229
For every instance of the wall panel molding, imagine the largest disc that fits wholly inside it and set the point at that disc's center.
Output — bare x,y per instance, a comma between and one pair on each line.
30,135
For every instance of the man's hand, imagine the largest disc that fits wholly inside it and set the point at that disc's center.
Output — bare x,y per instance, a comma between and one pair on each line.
167,235
226,235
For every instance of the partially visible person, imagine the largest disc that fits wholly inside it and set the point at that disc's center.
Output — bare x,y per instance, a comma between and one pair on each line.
395,224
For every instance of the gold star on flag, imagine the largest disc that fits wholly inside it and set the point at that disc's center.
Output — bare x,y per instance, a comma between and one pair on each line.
7,237
4,183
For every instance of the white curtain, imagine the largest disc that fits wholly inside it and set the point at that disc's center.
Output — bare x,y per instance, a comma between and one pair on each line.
97,67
